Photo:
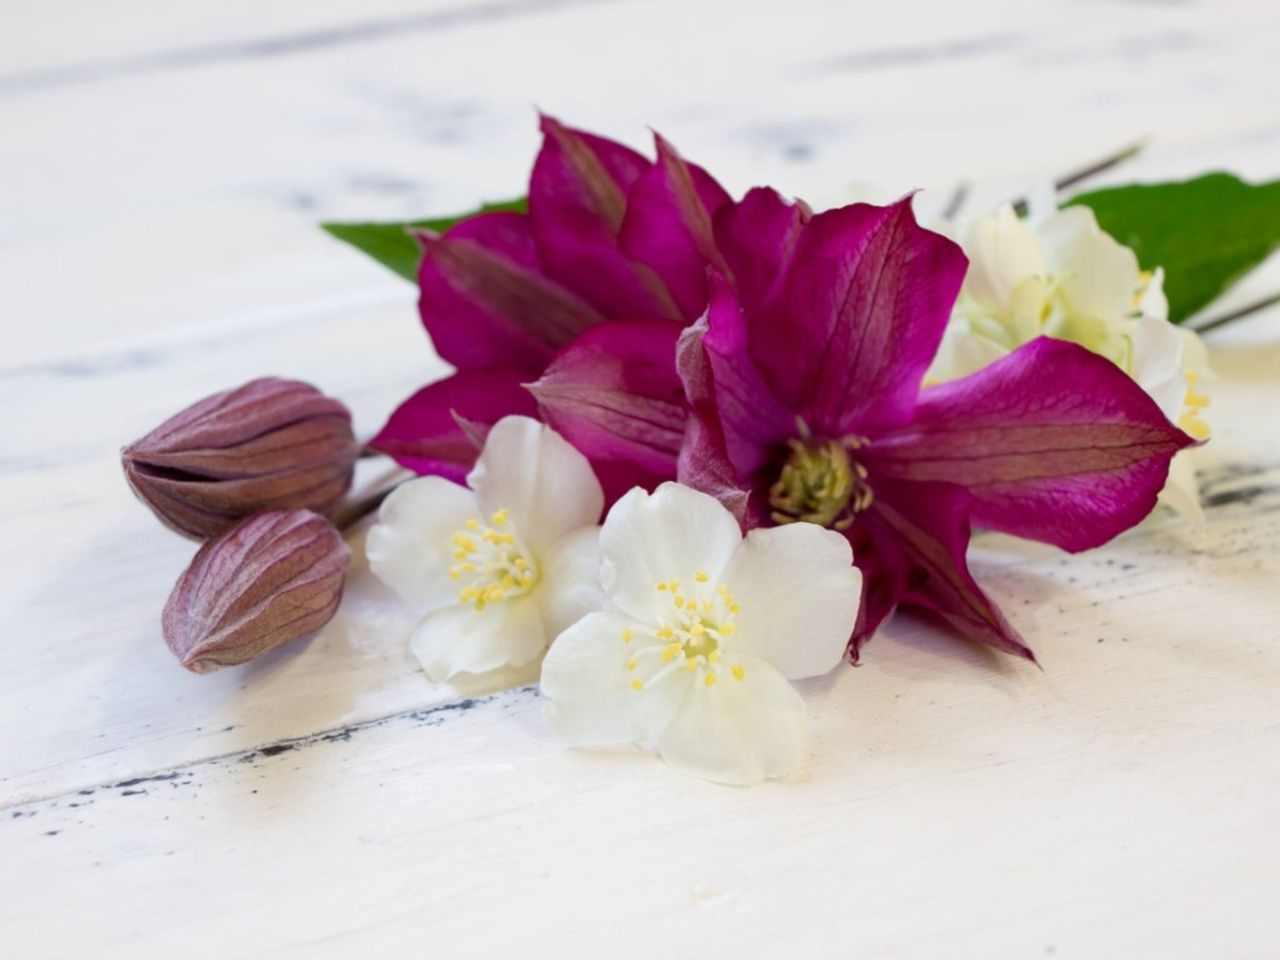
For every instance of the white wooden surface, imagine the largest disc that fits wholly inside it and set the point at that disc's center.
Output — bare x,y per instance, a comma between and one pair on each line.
162,168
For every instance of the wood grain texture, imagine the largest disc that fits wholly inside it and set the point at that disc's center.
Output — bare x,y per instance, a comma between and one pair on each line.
164,168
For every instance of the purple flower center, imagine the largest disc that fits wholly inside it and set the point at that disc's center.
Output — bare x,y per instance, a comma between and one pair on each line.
821,483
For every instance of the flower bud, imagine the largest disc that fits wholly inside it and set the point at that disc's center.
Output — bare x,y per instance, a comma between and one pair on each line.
272,578
270,444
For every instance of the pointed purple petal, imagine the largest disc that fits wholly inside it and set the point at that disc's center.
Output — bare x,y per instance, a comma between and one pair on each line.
436,430
924,527
485,304
577,205
1055,443
884,575
668,226
614,394
860,316
754,422
757,237
704,462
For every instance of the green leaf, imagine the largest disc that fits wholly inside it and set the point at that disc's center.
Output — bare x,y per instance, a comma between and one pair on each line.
392,246
1207,233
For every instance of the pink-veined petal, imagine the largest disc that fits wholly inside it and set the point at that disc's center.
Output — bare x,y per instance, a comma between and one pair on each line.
484,301
704,462
859,318
577,205
614,394
1054,442
757,237
924,530
668,226
755,423
440,428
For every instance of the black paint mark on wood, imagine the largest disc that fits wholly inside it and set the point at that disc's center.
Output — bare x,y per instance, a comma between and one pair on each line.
1241,495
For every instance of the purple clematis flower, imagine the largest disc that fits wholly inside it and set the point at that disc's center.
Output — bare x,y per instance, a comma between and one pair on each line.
613,244
804,382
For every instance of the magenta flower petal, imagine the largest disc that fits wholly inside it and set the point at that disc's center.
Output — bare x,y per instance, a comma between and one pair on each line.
704,462
614,394
1054,442
577,205
757,237
440,428
805,407
668,226
484,302
860,316
753,420
927,524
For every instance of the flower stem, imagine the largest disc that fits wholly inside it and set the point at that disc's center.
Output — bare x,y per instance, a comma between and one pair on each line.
1084,173
1234,315
351,512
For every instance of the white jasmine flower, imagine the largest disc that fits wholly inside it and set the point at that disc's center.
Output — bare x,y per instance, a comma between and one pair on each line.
1062,276
702,632
500,568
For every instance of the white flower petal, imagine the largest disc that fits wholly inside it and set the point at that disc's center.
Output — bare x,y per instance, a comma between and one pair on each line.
1195,355
739,731
1152,302
591,700
570,585
461,639
1002,253
1098,274
652,538
1156,363
410,548
961,353
532,471
799,593
1182,490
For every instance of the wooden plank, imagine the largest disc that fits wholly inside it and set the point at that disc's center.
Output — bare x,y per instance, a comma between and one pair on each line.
1120,803
157,242
186,200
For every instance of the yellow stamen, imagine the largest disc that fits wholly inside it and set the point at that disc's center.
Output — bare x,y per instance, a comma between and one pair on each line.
637,685
627,635
709,679
701,576
473,524
727,629
691,664
738,671
631,664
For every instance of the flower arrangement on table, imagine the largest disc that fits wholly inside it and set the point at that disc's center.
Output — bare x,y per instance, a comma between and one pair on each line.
696,447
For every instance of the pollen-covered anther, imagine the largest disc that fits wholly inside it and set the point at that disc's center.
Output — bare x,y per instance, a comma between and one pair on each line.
493,561
690,638
821,483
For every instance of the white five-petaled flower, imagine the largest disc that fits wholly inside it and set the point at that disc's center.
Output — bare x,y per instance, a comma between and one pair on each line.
1062,276
500,568
702,632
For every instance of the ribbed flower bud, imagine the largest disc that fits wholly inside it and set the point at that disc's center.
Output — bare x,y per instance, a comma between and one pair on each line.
273,578
270,444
